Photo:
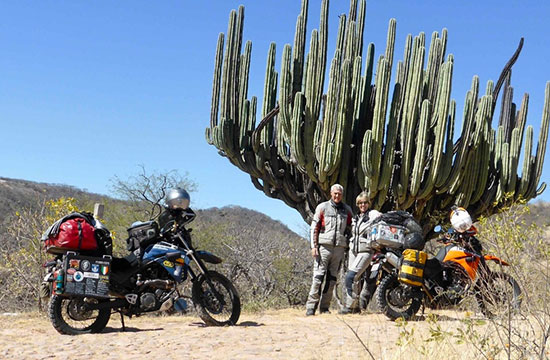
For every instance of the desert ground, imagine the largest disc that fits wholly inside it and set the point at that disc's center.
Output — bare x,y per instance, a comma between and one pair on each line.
274,334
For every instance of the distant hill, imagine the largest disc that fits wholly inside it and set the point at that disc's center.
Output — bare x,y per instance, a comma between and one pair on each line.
540,214
16,194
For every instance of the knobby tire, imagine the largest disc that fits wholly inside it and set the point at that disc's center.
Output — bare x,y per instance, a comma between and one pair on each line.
388,284
60,312
208,307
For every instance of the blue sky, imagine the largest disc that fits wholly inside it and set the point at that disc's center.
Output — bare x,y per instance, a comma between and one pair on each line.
92,89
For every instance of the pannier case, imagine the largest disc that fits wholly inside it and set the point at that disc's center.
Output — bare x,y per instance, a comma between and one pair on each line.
392,236
87,276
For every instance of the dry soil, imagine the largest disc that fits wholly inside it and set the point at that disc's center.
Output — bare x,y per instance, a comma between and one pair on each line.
280,334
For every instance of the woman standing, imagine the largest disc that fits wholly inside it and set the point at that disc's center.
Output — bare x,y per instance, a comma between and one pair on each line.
360,253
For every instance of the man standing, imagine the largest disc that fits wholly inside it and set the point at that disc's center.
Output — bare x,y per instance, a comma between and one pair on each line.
330,228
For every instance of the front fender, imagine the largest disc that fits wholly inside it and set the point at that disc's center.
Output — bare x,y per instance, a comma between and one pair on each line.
208,257
495,259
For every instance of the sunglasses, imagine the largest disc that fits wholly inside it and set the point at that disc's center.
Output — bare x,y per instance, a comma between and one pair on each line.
363,203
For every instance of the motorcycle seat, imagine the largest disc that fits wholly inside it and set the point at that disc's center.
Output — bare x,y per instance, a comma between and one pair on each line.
432,267
125,263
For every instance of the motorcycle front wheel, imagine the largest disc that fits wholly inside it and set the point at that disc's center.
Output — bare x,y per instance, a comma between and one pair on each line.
397,300
70,316
216,300
498,294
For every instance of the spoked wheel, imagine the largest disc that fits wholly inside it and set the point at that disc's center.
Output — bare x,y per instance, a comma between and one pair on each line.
397,300
217,300
70,315
498,294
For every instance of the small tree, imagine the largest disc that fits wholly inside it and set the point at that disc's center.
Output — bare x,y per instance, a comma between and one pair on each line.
145,191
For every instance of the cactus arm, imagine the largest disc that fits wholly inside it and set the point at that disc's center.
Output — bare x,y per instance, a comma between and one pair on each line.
541,146
421,144
527,161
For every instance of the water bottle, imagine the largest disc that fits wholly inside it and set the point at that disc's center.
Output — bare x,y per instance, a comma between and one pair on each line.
59,281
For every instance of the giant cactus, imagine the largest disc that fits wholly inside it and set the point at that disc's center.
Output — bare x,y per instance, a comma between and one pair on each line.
397,148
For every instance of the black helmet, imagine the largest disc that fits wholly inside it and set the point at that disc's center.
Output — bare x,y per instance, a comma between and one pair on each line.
177,199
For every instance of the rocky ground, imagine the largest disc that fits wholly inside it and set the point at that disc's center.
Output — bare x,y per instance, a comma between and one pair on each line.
281,334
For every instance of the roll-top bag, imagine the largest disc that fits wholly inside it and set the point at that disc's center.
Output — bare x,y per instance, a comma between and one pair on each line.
411,271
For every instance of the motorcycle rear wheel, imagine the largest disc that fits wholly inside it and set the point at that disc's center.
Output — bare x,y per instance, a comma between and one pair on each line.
219,304
397,300
69,316
498,294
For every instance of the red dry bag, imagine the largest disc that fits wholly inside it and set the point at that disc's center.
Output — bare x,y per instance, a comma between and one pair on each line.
74,234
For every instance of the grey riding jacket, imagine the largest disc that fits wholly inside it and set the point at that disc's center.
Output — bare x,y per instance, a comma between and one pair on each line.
360,229
331,224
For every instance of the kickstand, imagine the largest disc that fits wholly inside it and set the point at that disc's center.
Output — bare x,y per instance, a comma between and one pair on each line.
122,321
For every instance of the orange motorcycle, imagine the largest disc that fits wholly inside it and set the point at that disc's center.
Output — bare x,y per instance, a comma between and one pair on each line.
459,269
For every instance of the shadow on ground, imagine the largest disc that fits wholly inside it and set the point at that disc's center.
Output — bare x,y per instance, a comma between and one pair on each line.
109,329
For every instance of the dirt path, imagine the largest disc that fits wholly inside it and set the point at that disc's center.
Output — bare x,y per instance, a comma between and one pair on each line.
282,334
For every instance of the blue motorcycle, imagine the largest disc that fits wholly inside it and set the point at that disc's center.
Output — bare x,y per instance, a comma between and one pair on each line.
87,289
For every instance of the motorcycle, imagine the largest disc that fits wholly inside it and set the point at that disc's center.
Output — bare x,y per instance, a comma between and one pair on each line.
86,290
458,270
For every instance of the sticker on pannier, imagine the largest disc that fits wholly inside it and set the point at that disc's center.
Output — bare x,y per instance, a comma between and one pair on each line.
412,267
87,276
392,236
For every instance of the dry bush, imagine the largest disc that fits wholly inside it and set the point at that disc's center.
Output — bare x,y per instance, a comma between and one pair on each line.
512,236
22,255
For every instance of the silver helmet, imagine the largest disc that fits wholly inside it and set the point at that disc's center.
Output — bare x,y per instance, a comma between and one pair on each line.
177,199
